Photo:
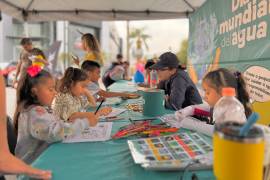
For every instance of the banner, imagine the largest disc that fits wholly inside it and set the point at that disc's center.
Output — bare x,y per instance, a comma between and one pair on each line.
234,34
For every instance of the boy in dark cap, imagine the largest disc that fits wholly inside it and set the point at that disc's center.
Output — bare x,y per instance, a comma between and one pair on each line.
179,89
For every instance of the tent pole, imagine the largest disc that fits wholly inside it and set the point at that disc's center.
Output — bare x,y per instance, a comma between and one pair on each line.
127,23
26,29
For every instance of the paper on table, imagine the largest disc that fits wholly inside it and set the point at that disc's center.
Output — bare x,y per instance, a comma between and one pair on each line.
197,125
101,132
115,112
113,101
189,123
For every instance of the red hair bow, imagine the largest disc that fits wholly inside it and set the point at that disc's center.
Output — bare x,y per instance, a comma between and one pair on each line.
33,70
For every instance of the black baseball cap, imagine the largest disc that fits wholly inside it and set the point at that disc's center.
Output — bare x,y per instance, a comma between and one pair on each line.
166,60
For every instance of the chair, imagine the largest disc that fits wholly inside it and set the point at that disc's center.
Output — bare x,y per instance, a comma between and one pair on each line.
11,135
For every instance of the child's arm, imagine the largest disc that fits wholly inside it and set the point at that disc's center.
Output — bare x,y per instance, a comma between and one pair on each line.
176,97
90,98
90,116
47,127
199,109
108,94
18,69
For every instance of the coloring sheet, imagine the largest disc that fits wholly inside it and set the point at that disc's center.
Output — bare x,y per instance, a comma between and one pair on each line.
101,132
115,112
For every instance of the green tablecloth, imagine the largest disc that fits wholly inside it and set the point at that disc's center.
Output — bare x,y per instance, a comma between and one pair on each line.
102,160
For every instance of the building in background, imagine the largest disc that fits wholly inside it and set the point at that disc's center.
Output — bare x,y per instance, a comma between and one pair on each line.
44,34
111,42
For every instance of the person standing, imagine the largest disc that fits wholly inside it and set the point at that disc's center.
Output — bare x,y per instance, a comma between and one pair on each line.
24,61
92,50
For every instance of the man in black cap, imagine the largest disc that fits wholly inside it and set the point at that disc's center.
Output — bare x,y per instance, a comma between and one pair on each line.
179,89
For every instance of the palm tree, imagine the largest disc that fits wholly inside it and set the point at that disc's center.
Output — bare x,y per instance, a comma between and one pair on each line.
182,53
139,36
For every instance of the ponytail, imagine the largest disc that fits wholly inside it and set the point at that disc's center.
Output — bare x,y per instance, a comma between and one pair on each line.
224,78
242,93
71,77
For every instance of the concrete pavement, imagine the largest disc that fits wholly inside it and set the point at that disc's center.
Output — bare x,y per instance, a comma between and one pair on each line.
10,101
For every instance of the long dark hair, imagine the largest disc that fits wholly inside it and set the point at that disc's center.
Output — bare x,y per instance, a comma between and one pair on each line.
25,96
224,78
71,77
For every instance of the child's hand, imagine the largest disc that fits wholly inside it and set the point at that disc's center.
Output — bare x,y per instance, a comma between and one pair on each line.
15,83
104,111
92,118
181,114
90,97
101,98
131,95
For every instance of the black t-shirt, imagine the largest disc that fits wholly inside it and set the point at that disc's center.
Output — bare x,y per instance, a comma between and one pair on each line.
106,79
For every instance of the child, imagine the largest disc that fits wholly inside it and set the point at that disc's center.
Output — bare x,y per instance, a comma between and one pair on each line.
113,74
38,58
179,89
92,69
147,78
9,164
69,102
212,84
24,61
35,124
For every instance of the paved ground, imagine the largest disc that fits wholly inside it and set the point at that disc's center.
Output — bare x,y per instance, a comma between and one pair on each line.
10,101
11,105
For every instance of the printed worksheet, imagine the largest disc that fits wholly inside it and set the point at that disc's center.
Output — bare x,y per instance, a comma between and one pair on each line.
101,132
115,112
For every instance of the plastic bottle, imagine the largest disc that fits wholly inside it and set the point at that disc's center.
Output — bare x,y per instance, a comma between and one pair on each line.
153,79
229,108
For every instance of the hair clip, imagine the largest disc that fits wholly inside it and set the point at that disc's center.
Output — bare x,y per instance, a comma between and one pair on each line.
33,70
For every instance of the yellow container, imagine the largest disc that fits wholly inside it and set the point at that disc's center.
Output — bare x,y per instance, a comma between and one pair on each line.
235,157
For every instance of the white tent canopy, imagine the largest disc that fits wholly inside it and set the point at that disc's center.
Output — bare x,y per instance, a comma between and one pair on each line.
81,10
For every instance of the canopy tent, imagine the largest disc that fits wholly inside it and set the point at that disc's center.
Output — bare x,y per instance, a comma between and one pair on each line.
81,10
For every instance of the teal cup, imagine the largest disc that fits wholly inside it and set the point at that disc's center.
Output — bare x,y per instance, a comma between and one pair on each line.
153,102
